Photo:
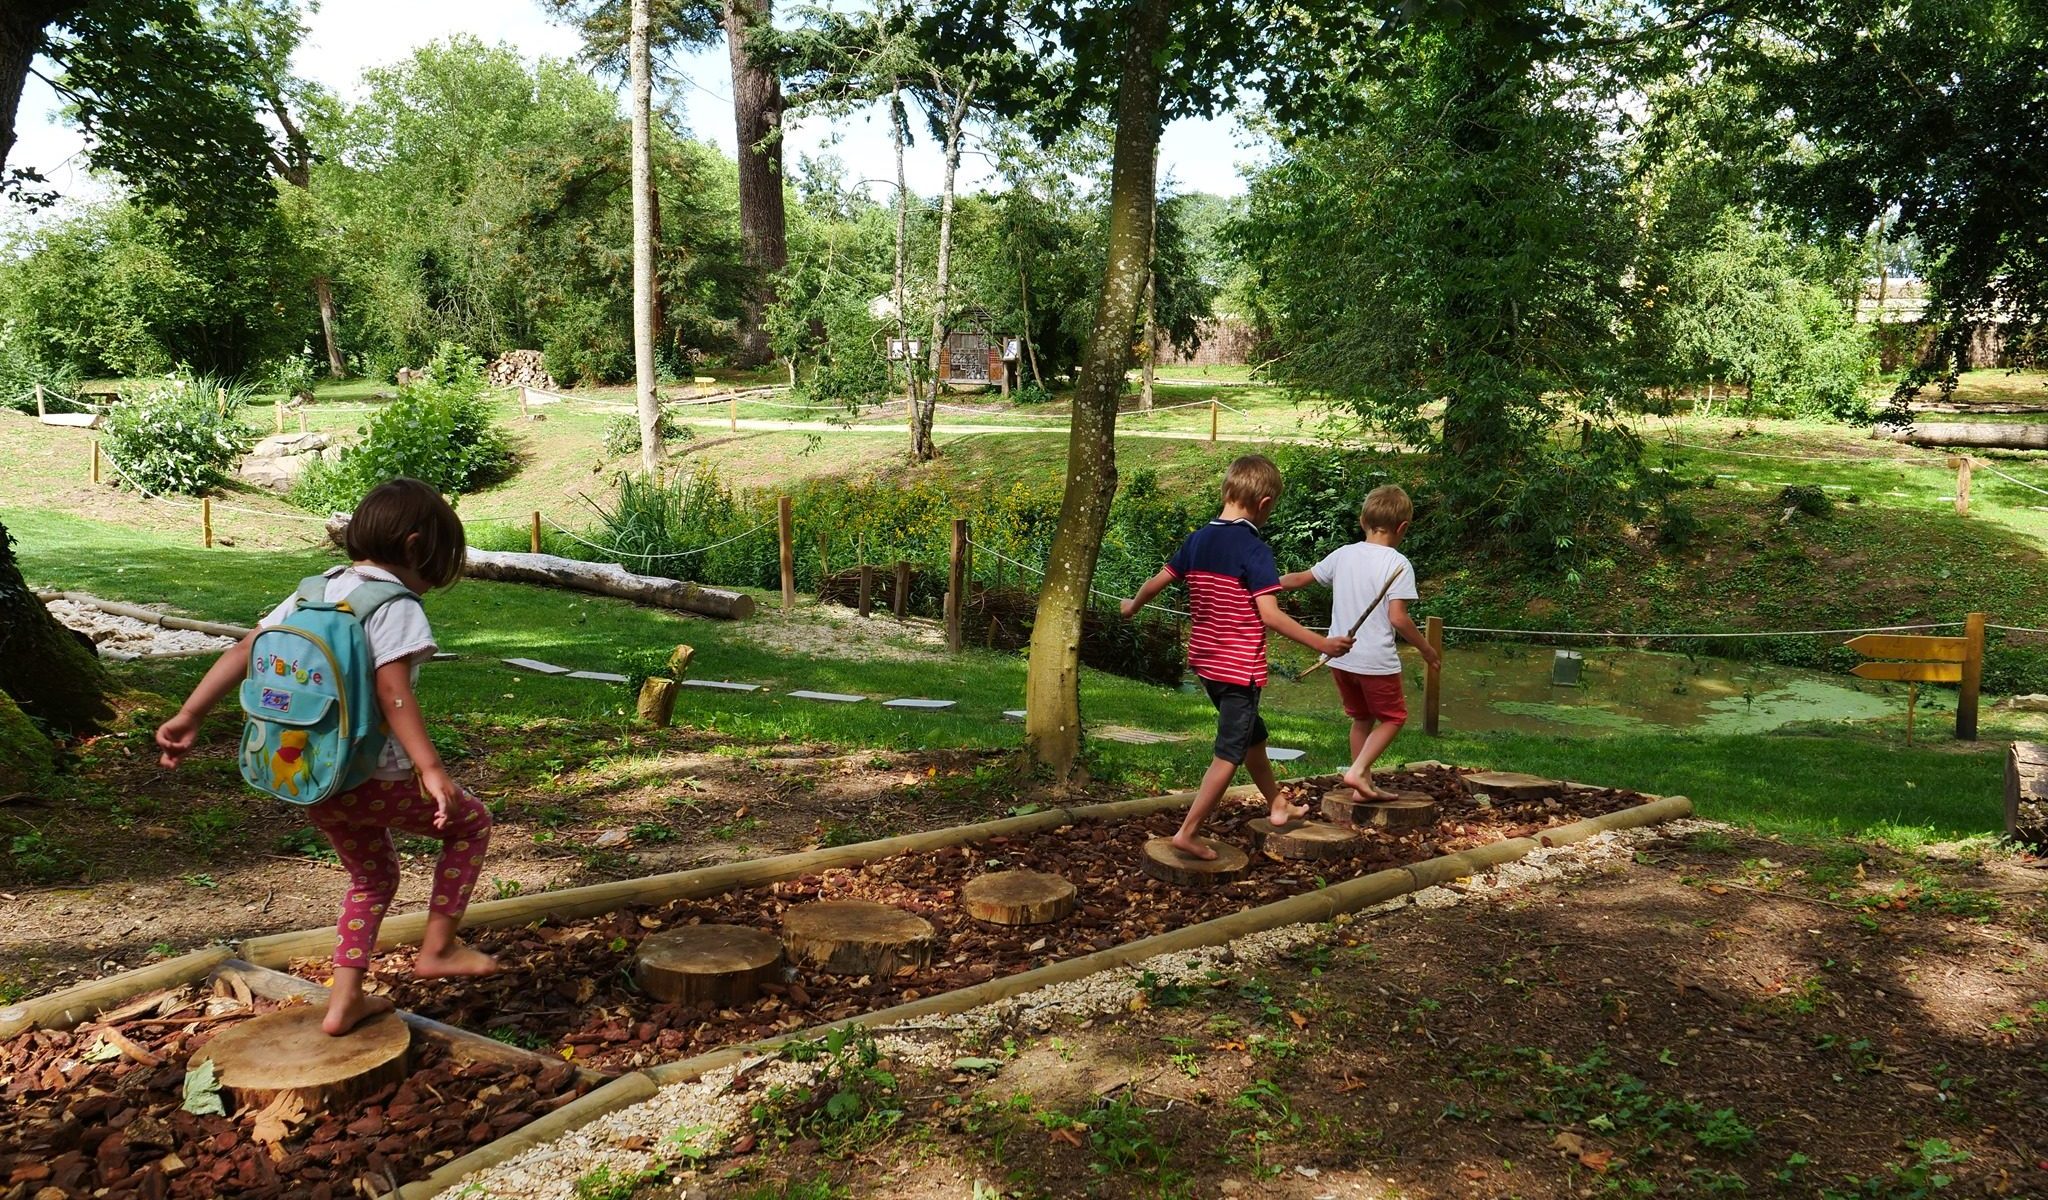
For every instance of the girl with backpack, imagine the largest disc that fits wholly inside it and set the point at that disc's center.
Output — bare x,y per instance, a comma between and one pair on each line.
327,685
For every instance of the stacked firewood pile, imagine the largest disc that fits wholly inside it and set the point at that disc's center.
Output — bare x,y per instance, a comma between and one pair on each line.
521,368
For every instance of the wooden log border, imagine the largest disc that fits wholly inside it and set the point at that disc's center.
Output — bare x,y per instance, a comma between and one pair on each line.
1309,907
148,615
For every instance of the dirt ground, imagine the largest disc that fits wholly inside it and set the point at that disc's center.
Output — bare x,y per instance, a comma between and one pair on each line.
1725,1016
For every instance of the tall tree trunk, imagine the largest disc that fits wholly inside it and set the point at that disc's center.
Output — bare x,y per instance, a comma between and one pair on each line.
1052,689
757,117
899,133
1150,347
21,36
922,448
643,238
1030,344
323,291
45,669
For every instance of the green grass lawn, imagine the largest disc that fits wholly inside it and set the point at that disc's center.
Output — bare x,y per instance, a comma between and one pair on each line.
1841,781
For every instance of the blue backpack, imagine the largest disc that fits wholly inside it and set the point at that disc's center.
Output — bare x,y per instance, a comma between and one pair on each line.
314,729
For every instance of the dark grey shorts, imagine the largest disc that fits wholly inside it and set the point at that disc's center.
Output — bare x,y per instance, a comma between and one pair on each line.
1238,724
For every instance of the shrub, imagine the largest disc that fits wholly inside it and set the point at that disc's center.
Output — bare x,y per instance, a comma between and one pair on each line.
178,435
290,376
439,430
21,371
622,433
1807,499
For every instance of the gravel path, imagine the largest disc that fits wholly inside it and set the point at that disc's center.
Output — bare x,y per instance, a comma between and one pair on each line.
126,637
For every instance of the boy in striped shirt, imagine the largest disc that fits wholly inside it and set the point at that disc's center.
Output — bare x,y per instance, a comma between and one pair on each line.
1233,593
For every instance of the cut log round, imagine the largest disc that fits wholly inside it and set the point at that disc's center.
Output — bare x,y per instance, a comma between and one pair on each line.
1511,785
285,1051
722,964
1312,841
1017,898
1991,435
658,702
1408,810
1163,861
857,937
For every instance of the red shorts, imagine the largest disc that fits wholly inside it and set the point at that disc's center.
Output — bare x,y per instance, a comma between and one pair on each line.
1371,697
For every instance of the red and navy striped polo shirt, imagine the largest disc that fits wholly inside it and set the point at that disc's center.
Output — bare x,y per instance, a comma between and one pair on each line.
1226,567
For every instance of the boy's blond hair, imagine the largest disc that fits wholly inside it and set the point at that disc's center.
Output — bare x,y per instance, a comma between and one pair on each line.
1386,508
1251,479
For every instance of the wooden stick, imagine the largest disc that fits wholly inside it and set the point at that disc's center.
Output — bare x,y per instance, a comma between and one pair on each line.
1963,486
732,408
1912,702
95,460
42,412
1973,677
824,562
1323,660
1212,422
206,519
277,415
786,534
899,603
536,531
867,590
956,585
1433,677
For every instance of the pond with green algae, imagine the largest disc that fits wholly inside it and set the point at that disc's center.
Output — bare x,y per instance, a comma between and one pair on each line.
1507,686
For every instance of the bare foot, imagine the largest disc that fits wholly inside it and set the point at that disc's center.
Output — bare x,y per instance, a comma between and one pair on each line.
346,1010
1193,848
456,960
1282,812
1365,787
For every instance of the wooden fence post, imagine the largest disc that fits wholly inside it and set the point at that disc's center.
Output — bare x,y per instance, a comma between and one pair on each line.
1962,464
786,533
206,519
1213,409
41,412
536,532
732,413
277,415
867,590
95,460
522,400
900,600
302,419
1973,676
956,586
824,562
1432,679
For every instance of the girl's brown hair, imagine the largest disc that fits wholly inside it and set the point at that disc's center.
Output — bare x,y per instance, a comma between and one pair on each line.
405,523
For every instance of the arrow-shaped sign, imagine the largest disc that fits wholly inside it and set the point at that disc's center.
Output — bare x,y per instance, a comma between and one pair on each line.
1910,672
1925,649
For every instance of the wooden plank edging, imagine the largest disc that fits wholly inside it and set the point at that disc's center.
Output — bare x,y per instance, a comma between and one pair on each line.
69,1007
1350,896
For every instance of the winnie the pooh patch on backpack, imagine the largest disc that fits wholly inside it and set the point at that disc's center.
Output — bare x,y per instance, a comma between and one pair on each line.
313,729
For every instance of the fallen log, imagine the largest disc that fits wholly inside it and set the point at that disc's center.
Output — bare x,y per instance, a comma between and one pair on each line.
604,579
1986,435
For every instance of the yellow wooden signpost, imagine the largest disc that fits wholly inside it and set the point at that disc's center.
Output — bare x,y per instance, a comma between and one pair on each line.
1914,660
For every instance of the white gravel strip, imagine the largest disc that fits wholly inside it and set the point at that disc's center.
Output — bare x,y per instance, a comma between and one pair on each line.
126,637
709,1114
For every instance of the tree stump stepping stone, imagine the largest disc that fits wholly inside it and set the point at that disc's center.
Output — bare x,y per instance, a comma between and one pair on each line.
857,937
828,697
1306,841
923,704
718,685
1161,860
1017,898
724,965
1407,810
286,1052
536,666
1511,785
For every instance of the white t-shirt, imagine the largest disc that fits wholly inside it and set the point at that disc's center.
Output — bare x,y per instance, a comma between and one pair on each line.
396,631
1355,574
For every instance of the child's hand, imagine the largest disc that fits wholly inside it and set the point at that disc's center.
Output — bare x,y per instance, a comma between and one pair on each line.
175,738
1336,647
1431,655
446,793
1127,607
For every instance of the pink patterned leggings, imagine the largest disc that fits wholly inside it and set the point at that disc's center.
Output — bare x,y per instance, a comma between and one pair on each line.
359,824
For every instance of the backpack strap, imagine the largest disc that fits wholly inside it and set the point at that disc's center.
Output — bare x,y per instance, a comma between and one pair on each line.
313,589
373,594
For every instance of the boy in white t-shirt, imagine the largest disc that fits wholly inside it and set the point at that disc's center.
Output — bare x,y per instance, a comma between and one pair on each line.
1368,678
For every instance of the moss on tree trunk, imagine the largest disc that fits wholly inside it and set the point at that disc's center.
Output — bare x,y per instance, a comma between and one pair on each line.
55,680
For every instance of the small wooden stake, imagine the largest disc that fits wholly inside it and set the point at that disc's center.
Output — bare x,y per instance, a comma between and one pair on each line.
1963,464
956,585
1912,702
857,937
522,399
899,601
657,704
41,412
277,416
1018,898
302,419
721,965
1973,677
1213,410
285,1052
95,460
1432,679
732,409
679,662
867,589
536,532
824,562
784,527
206,518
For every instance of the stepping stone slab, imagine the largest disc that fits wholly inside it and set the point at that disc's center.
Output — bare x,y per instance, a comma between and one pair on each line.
536,666
1015,714
1309,841
829,697
718,685
923,704
1017,898
286,1052
1137,737
1161,860
1510,785
1283,754
723,965
1408,810
857,937
599,676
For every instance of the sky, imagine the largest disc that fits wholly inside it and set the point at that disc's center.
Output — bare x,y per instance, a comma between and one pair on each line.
348,36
